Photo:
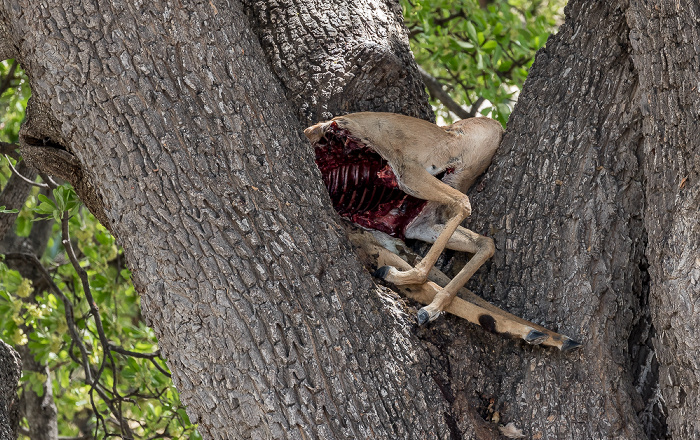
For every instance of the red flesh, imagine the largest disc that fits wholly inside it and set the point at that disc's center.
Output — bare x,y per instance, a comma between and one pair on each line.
362,185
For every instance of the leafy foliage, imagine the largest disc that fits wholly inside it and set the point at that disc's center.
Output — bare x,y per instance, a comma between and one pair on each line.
14,94
480,54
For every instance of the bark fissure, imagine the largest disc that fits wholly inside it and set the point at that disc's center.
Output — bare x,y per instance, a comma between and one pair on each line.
663,36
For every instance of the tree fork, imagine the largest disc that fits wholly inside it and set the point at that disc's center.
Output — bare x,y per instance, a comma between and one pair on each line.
269,323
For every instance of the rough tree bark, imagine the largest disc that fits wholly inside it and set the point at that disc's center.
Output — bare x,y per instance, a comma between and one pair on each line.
593,202
664,38
10,371
168,121
177,132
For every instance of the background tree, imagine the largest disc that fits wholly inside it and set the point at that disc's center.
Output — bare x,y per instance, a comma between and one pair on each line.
594,192
474,56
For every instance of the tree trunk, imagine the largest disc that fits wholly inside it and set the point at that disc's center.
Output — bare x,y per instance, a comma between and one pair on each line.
172,123
340,57
664,37
14,195
169,122
10,371
564,201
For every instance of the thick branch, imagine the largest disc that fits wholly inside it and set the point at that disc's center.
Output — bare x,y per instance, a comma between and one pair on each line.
7,81
9,150
15,194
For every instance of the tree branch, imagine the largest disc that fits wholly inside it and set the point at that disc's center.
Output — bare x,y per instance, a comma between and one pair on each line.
5,84
435,88
18,174
94,311
150,356
10,150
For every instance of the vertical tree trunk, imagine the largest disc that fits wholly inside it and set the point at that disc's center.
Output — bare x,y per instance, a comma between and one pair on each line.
564,202
664,36
40,411
14,195
10,371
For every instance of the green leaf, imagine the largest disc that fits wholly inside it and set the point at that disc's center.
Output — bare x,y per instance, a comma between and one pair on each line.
490,45
471,31
464,44
4,210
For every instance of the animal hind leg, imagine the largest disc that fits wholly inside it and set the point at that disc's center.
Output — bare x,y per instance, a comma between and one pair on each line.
462,240
416,181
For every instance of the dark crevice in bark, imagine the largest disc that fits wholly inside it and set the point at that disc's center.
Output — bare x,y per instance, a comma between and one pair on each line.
51,156
651,411
43,142
441,373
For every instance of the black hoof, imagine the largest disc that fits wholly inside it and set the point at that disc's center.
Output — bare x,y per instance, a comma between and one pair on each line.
570,345
535,337
381,272
423,316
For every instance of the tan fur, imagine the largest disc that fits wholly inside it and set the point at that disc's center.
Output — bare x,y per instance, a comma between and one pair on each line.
467,306
417,151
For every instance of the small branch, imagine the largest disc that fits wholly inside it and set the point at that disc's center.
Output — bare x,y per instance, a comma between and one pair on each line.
14,196
150,356
49,181
94,311
441,21
436,91
75,336
31,182
475,106
82,274
126,352
437,22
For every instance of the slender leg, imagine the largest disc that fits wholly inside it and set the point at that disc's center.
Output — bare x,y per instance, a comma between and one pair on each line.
419,183
462,240
470,307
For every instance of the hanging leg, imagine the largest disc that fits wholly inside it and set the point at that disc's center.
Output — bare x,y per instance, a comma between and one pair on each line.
419,183
462,240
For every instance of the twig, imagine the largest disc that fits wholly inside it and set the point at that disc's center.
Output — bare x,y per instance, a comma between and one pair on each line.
75,337
49,181
14,170
82,274
150,356
437,22
436,91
